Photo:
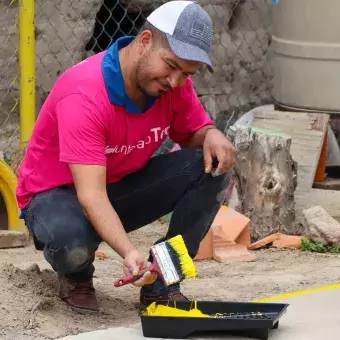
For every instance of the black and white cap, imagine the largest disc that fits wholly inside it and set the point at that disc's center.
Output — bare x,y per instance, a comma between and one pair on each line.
188,28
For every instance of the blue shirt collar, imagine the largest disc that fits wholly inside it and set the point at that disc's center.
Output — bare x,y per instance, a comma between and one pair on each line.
114,80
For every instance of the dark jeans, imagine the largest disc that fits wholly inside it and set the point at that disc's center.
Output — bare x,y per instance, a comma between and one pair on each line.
174,182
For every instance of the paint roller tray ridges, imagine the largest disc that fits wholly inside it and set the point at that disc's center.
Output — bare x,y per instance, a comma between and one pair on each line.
253,320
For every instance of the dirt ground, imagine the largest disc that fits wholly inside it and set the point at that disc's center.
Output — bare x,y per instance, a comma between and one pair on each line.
29,308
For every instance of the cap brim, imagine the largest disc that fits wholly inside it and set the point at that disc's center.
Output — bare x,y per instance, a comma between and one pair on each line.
189,52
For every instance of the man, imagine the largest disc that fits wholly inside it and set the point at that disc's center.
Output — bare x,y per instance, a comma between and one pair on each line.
89,176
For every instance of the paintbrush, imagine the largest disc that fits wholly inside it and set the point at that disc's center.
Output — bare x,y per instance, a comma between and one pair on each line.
171,262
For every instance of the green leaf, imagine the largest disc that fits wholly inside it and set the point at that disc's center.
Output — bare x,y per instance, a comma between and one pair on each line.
318,247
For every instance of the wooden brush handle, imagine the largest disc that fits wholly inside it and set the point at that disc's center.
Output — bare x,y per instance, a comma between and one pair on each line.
129,279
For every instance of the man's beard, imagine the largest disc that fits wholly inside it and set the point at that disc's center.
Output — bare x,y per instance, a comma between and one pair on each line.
147,94
140,74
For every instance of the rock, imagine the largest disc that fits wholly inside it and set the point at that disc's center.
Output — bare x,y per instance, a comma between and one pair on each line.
34,268
321,226
12,239
20,284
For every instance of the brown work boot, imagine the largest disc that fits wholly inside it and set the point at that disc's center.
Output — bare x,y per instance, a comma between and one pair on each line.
79,295
176,295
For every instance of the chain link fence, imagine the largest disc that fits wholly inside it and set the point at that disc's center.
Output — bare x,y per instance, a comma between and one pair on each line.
68,31
9,79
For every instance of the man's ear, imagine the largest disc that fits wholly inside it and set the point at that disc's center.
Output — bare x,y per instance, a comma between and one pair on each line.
144,41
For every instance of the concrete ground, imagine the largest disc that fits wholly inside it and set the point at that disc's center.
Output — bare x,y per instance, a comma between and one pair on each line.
313,314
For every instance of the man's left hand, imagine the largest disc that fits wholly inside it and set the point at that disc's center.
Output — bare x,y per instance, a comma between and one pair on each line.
217,145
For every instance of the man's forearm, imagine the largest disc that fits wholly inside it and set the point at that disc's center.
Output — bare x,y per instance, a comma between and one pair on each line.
106,222
198,137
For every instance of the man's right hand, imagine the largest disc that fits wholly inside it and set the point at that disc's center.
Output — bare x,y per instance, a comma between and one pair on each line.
134,262
90,183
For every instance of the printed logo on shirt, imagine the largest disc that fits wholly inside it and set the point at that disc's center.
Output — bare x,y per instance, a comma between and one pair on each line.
156,134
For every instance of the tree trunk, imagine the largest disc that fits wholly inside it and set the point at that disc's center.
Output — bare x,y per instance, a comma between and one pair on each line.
266,178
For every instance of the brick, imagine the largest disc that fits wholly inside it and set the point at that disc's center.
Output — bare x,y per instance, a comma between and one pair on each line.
233,253
12,239
205,251
232,227
233,223
228,251
264,242
219,239
288,241
244,237
101,255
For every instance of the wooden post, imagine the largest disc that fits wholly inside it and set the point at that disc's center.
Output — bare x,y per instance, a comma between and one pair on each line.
266,178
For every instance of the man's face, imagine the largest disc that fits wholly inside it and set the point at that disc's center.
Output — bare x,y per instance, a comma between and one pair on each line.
160,70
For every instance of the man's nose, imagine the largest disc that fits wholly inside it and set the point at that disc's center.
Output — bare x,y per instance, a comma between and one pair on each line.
174,80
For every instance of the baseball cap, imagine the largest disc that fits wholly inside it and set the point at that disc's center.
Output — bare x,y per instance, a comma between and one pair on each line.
188,29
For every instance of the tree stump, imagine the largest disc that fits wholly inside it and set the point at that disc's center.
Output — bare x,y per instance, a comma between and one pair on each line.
266,178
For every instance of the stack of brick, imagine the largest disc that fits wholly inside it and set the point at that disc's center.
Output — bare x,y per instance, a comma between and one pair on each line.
229,239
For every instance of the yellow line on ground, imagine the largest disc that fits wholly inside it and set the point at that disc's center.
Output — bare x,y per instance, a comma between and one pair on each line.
298,293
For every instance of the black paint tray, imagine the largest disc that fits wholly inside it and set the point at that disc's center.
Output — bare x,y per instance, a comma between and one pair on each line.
252,320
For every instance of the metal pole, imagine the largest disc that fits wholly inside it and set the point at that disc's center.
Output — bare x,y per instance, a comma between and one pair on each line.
27,70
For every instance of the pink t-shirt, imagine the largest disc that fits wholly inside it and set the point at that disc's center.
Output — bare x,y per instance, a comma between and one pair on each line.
79,124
